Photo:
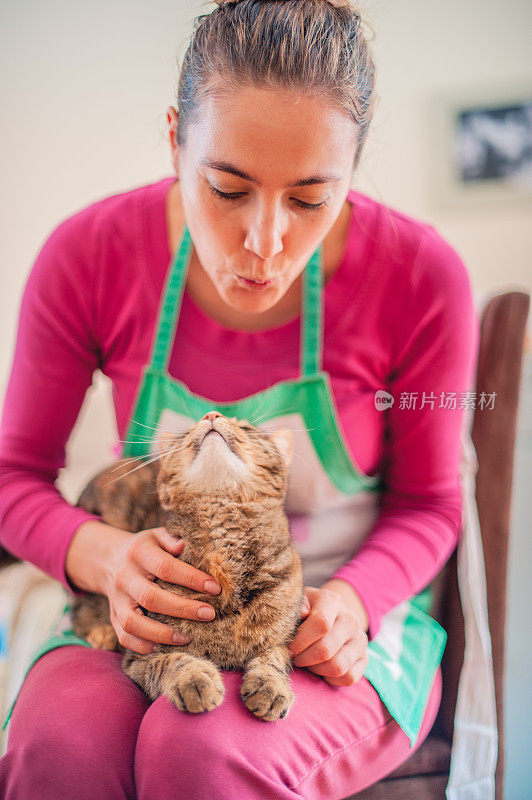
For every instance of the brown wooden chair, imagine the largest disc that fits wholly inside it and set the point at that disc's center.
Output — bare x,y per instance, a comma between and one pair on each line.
425,774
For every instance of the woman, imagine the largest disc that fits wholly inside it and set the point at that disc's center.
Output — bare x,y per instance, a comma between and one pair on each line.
273,107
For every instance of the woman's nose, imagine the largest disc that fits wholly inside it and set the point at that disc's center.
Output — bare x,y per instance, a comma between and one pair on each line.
264,236
210,415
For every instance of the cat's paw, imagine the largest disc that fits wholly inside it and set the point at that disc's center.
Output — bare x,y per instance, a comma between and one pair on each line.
103,637
197,688
267,694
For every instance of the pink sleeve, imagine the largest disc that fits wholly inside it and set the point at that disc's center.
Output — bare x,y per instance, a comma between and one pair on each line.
54,359
419,523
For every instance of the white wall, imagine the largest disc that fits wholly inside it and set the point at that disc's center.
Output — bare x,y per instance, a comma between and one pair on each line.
83,98
424,48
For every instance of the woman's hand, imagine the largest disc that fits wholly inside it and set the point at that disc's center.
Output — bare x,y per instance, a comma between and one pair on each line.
331,641
138,560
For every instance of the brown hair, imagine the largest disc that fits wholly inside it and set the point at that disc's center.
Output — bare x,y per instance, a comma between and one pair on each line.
312,45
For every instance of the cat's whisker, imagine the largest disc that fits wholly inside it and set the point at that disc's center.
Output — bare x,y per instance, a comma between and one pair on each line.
136,458
119,477
294,455
133,458
179,446
151,428
260,405
192,416
134,441
293,430
145,463
258,408
254,421
142,435
302,460
276,452
175,449
143,425
282,411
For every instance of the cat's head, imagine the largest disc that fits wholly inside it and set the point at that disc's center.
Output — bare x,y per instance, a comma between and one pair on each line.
224,456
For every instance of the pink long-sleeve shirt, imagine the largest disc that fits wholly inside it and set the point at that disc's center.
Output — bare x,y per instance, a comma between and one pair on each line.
398,315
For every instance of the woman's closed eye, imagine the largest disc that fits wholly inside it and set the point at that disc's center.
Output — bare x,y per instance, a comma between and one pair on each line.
238,195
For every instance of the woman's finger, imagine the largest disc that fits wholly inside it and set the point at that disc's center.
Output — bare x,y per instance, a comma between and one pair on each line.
138,632
167,540
152,597
318,623
159,564
134,643
325,648
341,663
305,607
352,676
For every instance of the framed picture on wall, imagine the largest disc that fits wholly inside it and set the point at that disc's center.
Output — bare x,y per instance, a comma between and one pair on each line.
481,146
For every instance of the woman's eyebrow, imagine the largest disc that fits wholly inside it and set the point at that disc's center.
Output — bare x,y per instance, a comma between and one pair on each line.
224,166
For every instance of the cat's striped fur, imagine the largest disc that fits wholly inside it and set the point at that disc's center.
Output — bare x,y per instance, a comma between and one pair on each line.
223,494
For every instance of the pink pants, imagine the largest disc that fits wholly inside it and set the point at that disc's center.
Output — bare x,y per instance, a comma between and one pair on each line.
82,729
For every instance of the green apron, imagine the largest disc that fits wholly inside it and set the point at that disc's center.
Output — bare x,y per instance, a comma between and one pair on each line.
331,504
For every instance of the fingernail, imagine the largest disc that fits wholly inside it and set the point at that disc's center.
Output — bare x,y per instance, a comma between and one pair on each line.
180,639
212,587
206,613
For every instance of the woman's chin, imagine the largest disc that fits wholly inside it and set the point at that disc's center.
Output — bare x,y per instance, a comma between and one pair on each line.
253,302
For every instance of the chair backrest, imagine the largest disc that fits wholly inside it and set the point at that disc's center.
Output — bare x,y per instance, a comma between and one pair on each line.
499,369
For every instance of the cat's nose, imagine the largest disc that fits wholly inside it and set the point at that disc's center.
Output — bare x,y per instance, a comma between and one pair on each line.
210,415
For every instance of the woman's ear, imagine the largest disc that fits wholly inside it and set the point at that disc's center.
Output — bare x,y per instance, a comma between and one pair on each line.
172,119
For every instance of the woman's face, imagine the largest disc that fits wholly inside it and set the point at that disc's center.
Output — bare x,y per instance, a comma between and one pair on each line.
286,161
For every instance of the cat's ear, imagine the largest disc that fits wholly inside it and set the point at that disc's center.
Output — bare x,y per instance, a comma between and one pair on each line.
284,441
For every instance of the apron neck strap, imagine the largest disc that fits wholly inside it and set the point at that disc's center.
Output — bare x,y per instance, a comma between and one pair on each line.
311,344
169,310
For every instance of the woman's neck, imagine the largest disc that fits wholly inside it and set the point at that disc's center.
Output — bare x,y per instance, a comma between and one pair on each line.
201,289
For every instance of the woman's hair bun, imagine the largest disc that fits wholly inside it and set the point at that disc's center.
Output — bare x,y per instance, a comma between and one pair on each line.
336,3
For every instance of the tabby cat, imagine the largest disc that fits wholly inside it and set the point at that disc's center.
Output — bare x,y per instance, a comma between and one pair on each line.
221,487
